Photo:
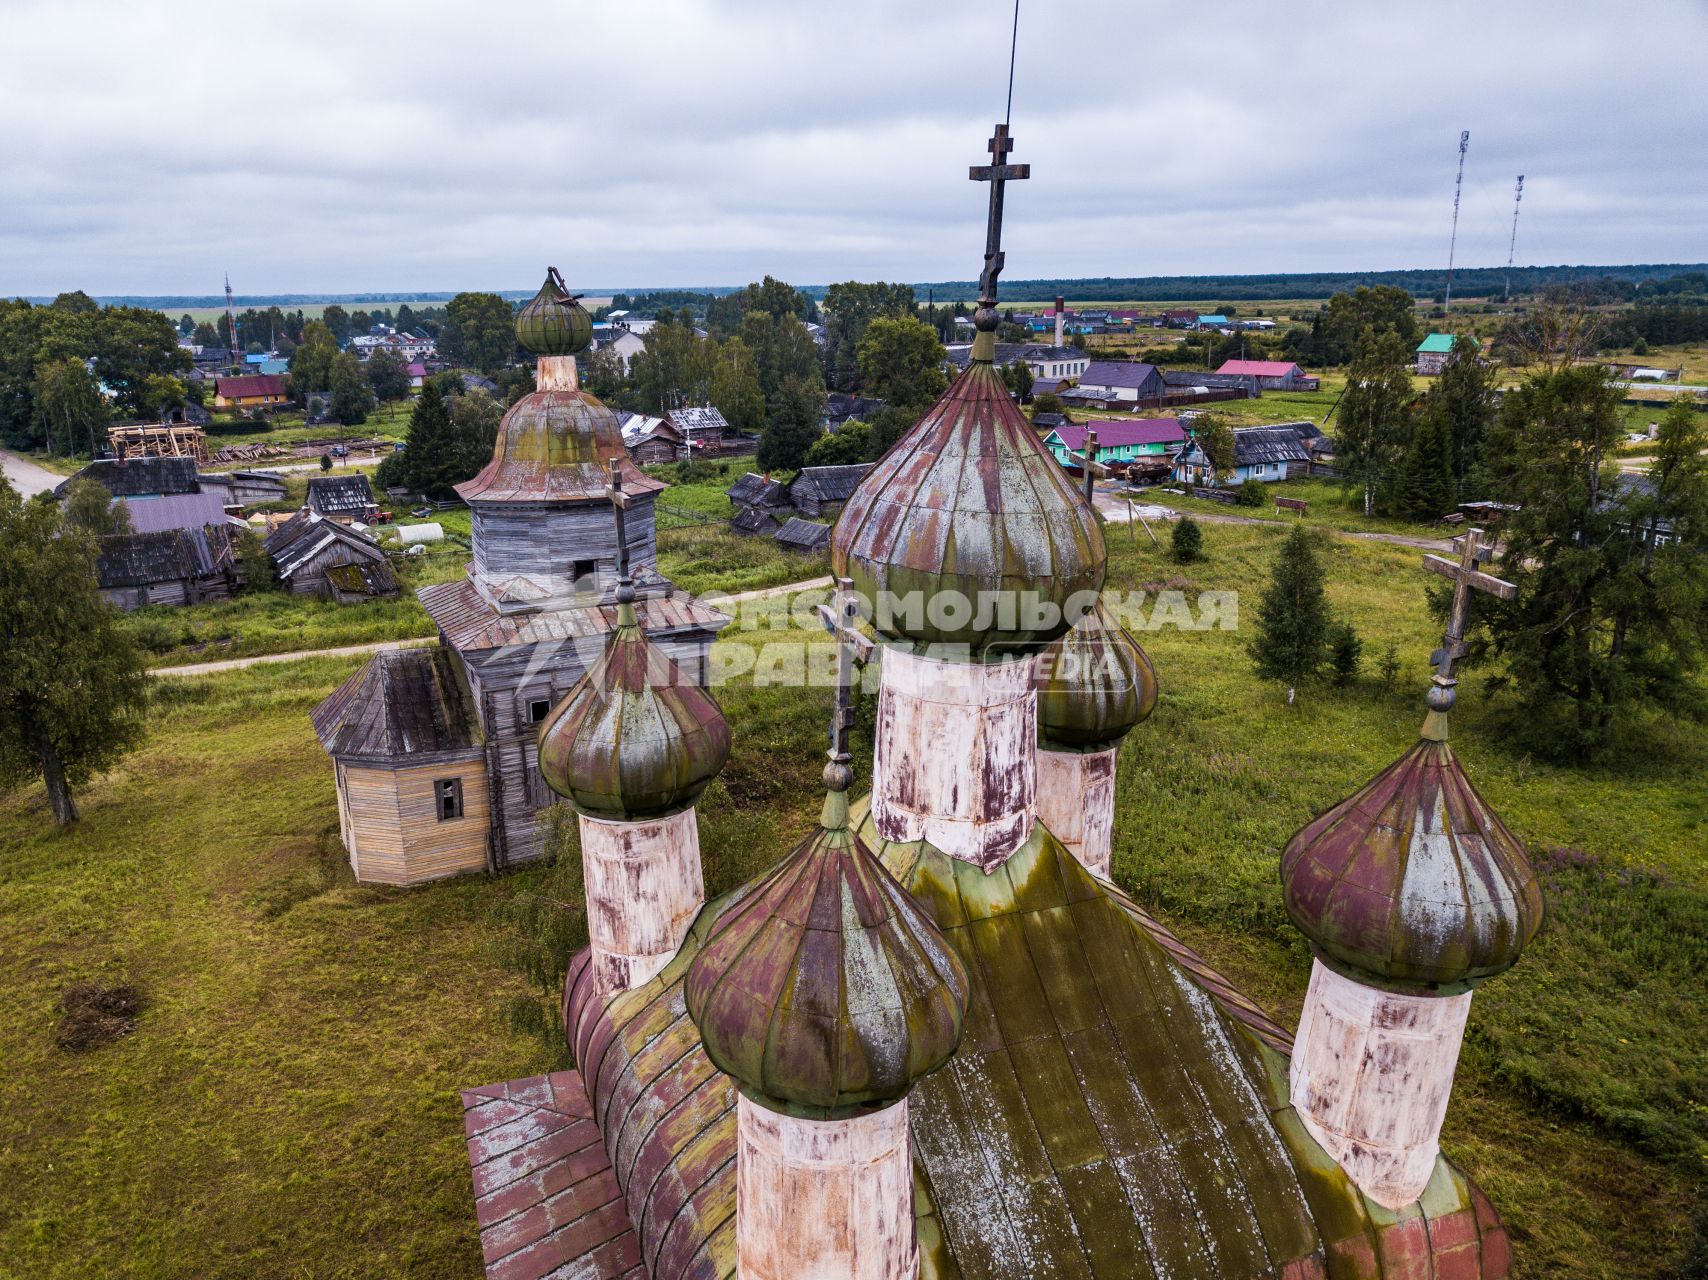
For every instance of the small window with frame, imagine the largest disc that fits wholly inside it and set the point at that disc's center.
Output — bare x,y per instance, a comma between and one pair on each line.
448,796
539,709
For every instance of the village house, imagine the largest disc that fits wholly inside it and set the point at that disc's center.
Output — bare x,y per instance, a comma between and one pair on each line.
342,498
1267,454
1270,375
699,426
1211,322
1118,440
250,391
841,408
240,489
619,339
1120,382
1048,362
168,566
650,440
1433,351
316,556
762,494
1179,319
819,492
137,477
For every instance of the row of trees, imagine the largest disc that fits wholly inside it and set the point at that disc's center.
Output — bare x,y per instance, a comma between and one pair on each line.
60,363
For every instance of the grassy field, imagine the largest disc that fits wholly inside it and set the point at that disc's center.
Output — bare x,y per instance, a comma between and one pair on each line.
287,1103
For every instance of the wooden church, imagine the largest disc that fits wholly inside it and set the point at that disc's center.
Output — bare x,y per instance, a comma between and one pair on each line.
435,756
934,1041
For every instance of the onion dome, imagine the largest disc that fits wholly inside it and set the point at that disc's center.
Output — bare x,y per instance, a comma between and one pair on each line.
1094,684
827,990
968,514
1414,881
635,738
556,446
553,322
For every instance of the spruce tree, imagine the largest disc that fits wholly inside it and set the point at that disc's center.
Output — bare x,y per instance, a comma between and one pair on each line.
1292,618
430,455
796,423
1188,540
1423,489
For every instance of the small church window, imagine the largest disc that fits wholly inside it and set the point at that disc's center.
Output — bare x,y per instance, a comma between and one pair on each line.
449,792
539,709
585,567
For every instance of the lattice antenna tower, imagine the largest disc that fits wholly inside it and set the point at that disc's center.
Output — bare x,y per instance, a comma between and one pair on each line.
1512,245
231,322
1453,240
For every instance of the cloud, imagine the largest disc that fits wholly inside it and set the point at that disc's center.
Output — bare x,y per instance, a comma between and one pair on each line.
149,148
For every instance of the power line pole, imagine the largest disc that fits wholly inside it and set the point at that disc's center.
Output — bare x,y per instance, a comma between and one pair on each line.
231,322
1517,195
1453,240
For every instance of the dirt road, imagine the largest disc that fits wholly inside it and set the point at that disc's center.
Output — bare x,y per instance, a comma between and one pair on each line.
25,476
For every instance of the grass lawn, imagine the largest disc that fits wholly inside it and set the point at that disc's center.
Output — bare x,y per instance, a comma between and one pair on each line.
1330,506
287,1104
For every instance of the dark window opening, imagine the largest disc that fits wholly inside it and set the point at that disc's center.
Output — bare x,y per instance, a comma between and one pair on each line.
539,709
584,567
449,793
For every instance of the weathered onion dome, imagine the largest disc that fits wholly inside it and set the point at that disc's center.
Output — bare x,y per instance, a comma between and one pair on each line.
969,507
1094,684
634,739
1413,882
552,323
827,990
556,446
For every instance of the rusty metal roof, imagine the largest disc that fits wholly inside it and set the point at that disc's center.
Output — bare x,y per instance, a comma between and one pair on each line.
634,738
1094,685
544,1192
1413,880
969,502
403,702
556,446
470,624
828,989
1115,1108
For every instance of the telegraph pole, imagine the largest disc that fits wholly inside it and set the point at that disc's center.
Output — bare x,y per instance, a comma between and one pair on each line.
1517,196
1453,240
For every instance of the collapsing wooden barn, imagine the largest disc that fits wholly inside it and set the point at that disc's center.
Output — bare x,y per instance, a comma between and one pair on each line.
317,556
172,566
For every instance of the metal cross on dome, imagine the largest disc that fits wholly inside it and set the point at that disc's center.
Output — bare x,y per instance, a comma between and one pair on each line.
851,646
1466,577
996,173
619,506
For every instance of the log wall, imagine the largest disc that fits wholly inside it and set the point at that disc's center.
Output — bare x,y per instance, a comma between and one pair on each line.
390,818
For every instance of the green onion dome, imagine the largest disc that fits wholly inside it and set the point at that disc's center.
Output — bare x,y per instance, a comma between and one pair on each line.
635,738
1094,684
827,990
969,514
553,322
1414,882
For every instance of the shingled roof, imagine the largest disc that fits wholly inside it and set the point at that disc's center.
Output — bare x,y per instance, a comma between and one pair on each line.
404,702
832,484
350,496
138,477
1267,444
297,540
755,490
1115,1109
803,535
167,555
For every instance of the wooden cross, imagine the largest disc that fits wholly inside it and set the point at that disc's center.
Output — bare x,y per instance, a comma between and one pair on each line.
851,647
563,293
1093,468
1466,577
996,173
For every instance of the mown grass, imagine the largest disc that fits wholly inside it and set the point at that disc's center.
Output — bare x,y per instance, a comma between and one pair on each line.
287,1104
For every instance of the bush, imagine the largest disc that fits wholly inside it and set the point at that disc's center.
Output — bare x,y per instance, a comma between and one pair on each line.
326,462
155,633
1188,540
1345,650
1251,493
695,470
390,473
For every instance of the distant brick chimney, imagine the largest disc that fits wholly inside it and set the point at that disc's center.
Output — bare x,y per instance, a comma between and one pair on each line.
1061,314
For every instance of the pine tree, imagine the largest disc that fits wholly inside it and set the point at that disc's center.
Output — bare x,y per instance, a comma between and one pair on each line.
1423,488
1292,618
1188,540
430,454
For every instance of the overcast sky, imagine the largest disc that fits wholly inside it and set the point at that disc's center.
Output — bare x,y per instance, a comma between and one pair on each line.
148,147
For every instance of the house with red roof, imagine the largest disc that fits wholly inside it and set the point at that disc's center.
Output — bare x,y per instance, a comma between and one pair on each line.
250,391
1271,375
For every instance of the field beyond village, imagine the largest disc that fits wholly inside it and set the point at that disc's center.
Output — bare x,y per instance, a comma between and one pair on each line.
287,1103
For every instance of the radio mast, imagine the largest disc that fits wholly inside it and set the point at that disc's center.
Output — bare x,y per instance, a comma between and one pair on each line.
1453,240
1517,196
231,322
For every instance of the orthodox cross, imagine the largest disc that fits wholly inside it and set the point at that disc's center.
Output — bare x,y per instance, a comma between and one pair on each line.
1466,577
563,293
996,173
620,505
1093,468
838,617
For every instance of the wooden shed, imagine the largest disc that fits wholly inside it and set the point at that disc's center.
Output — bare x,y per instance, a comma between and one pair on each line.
307,546
342,497
413,797
171,566
804,536
820,491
